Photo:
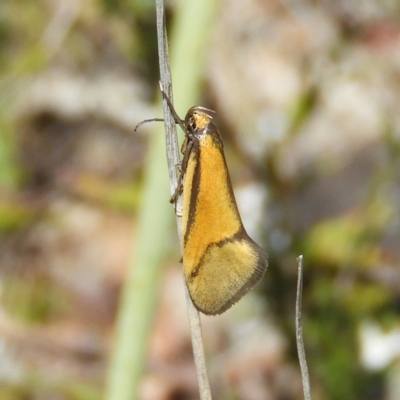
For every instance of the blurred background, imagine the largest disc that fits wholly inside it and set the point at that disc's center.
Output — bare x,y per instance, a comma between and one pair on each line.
307,98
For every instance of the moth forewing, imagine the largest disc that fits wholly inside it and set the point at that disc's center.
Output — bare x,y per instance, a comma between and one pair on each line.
221,262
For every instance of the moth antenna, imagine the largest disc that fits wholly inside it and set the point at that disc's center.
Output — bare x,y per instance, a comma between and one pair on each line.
145,121
206,109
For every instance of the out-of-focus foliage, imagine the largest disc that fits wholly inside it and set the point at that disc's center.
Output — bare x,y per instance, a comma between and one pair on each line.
70,95
307,97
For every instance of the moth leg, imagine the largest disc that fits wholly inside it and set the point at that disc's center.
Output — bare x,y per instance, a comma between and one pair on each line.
179,187
181,169
174,199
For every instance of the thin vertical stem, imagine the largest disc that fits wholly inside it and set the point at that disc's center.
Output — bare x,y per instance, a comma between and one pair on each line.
173,159
299,332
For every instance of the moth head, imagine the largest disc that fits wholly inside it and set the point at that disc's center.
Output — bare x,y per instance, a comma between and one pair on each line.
198,118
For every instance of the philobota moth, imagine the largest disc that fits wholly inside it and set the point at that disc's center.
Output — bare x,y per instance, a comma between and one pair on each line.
221,262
